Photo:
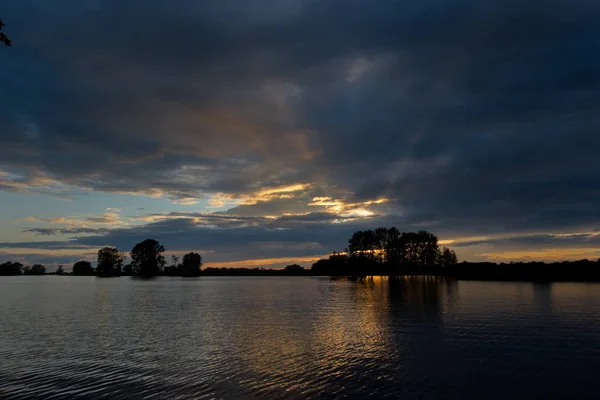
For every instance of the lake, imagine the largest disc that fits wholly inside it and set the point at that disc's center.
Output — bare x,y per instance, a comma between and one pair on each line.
296,338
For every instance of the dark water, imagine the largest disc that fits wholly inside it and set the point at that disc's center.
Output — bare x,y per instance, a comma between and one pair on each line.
170,338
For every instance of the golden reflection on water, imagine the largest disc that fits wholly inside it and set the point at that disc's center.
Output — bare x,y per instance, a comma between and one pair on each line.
361,330
334,329
296,338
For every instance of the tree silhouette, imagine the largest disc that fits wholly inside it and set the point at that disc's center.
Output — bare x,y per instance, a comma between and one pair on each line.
147,259
127,269
427,248
175,268
387,251
294,269
11,268
394,248
60,270
363,245
38,269
110,261
382,237
3,38
447,257
83,268
192,262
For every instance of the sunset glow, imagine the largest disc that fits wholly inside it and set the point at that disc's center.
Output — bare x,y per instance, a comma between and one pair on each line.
228,142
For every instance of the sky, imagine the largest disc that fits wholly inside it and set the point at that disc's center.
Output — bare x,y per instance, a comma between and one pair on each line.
262,133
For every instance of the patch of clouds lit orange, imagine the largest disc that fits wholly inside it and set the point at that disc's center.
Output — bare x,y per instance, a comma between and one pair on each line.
358,213
281,192
39,183
284,189
111,217
482,239
265,262
346,210
447,242
544,254
163,194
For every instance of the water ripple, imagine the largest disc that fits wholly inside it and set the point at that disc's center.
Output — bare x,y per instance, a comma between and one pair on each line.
296,338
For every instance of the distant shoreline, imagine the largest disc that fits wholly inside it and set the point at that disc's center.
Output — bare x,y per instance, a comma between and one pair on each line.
380,252
483,276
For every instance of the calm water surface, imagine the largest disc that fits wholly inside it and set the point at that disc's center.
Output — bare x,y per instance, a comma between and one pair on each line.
228,338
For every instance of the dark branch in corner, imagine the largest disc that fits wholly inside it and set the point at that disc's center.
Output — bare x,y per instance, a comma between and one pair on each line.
3,38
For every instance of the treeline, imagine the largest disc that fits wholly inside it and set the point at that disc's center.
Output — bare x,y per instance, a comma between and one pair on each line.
290,270
16,268
146,260
387,251
383,251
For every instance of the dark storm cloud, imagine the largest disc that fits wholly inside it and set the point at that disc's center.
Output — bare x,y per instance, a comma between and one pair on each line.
472,117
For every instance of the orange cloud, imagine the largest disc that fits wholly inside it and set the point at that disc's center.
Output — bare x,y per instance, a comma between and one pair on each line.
543,254
111,218
281,192
265,262
349,211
